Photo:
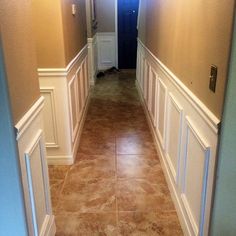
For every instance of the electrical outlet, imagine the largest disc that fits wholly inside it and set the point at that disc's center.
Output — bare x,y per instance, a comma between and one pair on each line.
213,78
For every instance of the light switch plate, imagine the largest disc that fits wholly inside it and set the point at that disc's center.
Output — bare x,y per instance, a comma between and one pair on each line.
73,9
213,78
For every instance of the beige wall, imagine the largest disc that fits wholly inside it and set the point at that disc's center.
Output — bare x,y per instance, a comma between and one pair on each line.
105,10
20,55
74,27
59,34
142,20
90,30
47,19
189,36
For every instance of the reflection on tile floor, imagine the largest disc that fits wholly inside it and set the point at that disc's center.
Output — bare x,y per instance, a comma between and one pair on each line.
116,186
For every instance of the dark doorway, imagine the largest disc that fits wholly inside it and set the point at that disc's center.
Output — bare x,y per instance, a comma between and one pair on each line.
127,33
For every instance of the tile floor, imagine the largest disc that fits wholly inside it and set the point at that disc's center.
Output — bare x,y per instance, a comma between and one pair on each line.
116,186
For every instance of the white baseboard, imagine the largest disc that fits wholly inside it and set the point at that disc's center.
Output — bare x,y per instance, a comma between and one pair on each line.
60,160
49,227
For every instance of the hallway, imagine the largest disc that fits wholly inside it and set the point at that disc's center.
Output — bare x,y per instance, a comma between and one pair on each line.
116,186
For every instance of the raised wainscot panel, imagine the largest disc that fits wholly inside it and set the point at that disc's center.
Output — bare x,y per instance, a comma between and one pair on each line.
49,117
142,63
79,84
194,179
173,135
86,82
161,111
138,67
34,158
73,104
153,90
81,88
149,89
146,81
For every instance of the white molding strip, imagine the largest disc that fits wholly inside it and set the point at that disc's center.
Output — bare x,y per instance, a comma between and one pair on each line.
60,160
211,119
61,72
28,157
27,119
51,92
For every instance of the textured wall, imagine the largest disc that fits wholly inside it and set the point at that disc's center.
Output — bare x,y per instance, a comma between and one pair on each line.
20,55
105,15
189,36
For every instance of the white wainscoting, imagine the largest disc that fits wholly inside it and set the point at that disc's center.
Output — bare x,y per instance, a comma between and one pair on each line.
66,92
31,146
186,135
106,50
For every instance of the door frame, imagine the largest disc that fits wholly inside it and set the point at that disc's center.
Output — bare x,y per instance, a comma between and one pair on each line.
116,32
116,28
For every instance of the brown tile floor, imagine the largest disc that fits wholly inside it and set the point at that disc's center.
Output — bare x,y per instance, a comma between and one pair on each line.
116,186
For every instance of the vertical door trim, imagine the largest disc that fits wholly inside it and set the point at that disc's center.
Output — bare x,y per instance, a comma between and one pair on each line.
116,32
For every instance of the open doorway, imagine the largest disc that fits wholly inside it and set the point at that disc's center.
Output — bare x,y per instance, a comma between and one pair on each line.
127,16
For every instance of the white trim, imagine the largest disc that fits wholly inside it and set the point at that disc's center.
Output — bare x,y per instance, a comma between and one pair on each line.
49,227
61,72
208,116
207,153
60,160
178,107
27,119
28,156
51,91
72,63
74,81
116,32
161,136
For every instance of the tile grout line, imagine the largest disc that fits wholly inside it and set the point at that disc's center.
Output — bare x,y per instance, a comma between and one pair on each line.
60,192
